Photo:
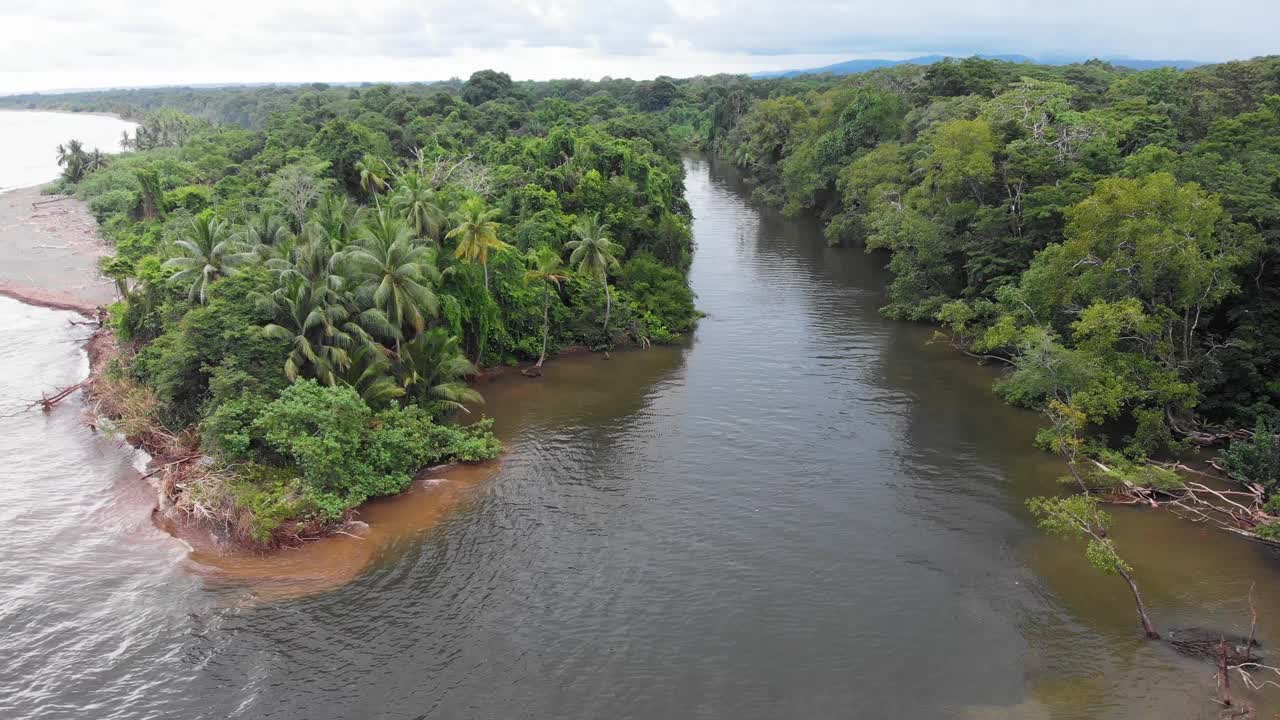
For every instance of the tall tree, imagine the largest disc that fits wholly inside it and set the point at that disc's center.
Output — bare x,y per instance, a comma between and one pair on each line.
546,270
477,235
594,254
395,275
322,331
372,175
264,232
416,202
339,218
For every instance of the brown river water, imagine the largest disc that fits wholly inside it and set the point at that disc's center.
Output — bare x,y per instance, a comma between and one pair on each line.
808,512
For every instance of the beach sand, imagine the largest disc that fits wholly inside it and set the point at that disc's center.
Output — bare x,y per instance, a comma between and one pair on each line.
49,252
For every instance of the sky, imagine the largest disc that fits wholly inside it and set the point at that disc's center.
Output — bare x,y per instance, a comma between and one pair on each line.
63,44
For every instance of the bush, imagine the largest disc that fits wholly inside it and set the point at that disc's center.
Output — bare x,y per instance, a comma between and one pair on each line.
269,498
346,454
661,291
1268,530
1256,460
193,198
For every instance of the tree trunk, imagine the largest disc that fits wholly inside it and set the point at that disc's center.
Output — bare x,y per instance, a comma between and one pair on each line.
1224,675
1142,609
1071,465
485,265
545,324
606,308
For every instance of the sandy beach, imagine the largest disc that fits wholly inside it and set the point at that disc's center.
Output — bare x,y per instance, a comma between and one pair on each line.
50,252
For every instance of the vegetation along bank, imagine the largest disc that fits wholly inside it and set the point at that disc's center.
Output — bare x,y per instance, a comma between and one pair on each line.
1109,235
304,292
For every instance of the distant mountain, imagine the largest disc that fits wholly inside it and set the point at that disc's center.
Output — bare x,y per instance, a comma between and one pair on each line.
850,67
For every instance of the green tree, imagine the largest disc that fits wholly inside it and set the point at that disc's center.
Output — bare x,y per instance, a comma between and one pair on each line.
963,156
339,219
1078,516
395,275
370,375
344,144
476,233
594,254
1167,245
208,252
264,233
372,175
414,199
432,369
545,270
486,85
317,329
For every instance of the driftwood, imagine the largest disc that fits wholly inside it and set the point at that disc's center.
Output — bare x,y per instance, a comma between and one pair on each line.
1205,438
38,203
46,402
1204,643
1237,511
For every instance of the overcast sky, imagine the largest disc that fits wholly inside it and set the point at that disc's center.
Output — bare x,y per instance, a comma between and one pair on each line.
47,44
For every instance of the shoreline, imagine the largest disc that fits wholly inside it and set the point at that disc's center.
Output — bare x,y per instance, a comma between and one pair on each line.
91,113
29,297
51,252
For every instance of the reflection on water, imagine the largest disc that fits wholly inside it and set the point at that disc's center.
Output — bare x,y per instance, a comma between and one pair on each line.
807,512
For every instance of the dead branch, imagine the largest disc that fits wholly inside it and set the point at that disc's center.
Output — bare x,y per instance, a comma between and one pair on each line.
46,402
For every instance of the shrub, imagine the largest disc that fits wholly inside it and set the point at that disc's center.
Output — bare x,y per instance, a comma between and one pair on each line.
1268,530
346,454
1256,460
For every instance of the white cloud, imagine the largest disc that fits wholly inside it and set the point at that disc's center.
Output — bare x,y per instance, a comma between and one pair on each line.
88,43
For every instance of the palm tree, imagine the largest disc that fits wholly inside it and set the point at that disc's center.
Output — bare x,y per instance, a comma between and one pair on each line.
76,163
594,254
151,192
75,169
95,161
339,217
208,252
313,260
432,367
125,141
370,375
547,270
265,234
322,331
372,180
477,235
395,275
66,153
414,199
314,326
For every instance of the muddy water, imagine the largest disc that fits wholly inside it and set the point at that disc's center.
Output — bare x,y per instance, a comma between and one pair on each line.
807,512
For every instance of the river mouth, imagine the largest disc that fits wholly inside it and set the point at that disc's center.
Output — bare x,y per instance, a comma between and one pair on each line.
808,511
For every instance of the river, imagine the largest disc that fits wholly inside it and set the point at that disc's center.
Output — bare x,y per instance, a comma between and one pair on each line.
809,511
30,136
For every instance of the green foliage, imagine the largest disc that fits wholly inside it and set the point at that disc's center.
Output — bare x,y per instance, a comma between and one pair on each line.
1268,530
1111,234
1078,516
346,453
662,290
355,241
1255,460
273,498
